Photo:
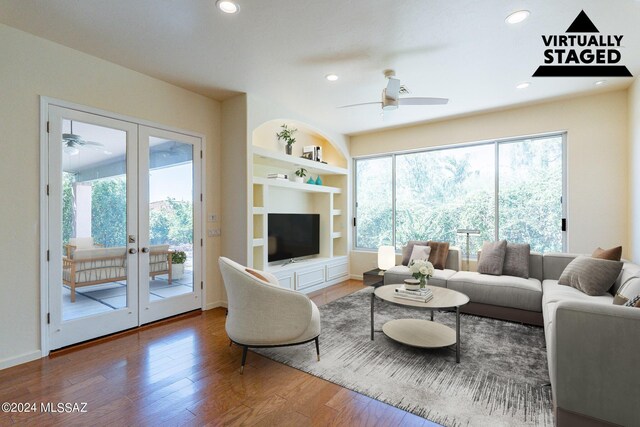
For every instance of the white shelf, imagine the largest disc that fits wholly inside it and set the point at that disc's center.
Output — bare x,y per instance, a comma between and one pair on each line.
296,186
271,158
336,212
258,211
258,242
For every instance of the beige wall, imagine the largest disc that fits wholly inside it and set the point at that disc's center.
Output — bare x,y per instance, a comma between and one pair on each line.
634,170
597,138
32,67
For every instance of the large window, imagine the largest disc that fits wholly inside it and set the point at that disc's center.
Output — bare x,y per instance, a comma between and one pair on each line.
505,189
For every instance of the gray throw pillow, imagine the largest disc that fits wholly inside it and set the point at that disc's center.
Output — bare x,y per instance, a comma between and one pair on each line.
407,250
516,260
590,275
492,258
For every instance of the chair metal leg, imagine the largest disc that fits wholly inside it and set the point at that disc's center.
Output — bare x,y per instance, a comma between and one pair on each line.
317,348
244,357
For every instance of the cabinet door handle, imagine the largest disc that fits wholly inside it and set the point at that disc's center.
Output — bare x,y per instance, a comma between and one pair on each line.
145,250
133,251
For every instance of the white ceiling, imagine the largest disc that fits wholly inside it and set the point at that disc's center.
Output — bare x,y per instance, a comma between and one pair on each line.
282,49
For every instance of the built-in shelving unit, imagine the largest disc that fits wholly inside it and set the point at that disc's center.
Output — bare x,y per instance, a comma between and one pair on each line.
286,196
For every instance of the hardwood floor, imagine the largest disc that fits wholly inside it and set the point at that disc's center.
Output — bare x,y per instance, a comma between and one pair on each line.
183,372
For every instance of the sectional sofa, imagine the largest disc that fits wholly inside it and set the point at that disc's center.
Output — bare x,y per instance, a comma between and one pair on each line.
593,346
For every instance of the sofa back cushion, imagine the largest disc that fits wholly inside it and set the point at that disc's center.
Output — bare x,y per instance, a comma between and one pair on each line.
629,270
554,263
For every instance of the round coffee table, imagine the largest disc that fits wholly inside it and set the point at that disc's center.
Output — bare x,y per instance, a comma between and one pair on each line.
425,333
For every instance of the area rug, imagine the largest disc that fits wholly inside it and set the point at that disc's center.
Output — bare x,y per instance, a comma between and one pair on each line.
499,381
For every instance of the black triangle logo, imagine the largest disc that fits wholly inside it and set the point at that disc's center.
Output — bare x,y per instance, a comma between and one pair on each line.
582,24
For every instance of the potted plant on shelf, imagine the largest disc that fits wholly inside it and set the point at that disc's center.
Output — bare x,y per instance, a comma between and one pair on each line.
300,174
286,135
178,258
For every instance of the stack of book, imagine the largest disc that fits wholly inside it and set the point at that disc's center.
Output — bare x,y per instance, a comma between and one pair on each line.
422,295
277,176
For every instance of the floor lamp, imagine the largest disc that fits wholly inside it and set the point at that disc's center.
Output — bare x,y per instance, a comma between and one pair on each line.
468,232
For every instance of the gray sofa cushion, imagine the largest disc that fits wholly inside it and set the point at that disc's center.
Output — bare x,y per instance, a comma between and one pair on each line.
628,270
591,275
492,259
503,291
535,266
397,274
516,260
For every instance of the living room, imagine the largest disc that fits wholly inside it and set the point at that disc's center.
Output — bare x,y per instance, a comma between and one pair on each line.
122,73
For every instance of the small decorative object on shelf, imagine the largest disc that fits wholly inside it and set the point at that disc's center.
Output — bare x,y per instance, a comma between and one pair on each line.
319,180
421,270
282,176
311,181
286,135
300,174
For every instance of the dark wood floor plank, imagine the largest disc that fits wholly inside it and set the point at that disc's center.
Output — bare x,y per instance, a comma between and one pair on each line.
183,372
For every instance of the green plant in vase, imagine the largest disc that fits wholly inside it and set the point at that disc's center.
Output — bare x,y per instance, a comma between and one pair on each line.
300,174
286,135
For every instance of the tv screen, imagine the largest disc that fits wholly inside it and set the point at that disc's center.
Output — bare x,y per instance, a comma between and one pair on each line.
293,235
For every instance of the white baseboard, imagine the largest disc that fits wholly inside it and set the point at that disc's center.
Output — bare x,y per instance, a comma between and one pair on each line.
355,276
216,304
18,360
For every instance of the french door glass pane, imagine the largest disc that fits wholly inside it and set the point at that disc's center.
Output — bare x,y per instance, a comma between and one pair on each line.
374,204
441,191
94,219
170,218
531,193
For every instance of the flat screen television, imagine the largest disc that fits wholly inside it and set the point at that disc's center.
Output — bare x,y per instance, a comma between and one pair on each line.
293,235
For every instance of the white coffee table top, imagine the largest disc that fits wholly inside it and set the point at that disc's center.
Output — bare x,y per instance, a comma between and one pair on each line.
442,297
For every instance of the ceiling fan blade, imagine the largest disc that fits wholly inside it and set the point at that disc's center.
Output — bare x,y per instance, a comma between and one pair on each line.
93,143
363,103
393,88
423,101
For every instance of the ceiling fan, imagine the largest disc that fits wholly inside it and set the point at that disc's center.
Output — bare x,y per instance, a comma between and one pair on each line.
391,96
73,143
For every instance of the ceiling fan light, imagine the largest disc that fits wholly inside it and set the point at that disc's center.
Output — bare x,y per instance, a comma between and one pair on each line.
517,17
71,150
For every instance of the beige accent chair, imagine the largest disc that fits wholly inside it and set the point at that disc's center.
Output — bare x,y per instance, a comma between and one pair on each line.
263,314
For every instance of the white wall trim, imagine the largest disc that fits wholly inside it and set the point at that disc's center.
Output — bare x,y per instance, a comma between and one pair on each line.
216,304
44,228
18,360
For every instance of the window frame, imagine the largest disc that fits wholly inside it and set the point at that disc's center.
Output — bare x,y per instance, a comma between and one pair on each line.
496,143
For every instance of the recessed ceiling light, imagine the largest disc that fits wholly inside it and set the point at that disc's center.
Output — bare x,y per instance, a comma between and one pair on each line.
331,77
523,85
228,6
517,17
600,82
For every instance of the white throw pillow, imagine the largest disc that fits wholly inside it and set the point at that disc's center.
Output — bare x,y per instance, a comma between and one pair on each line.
420,252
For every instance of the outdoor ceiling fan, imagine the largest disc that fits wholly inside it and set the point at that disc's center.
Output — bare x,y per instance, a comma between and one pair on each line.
73,143
391,96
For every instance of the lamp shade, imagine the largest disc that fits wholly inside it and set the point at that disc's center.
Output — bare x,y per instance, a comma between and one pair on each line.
386,257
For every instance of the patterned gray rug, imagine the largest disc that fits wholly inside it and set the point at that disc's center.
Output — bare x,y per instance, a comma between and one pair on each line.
497,383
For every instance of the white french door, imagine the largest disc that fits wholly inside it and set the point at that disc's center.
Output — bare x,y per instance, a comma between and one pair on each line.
123,225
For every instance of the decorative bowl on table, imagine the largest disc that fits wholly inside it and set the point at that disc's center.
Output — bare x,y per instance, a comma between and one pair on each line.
412,284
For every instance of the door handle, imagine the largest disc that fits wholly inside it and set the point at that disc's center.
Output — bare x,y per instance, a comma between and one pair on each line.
133,250
145,250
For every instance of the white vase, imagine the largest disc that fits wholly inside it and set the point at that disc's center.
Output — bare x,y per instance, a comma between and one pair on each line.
298,179
177,270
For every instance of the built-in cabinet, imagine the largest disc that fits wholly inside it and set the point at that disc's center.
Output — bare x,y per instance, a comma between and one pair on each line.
329,200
